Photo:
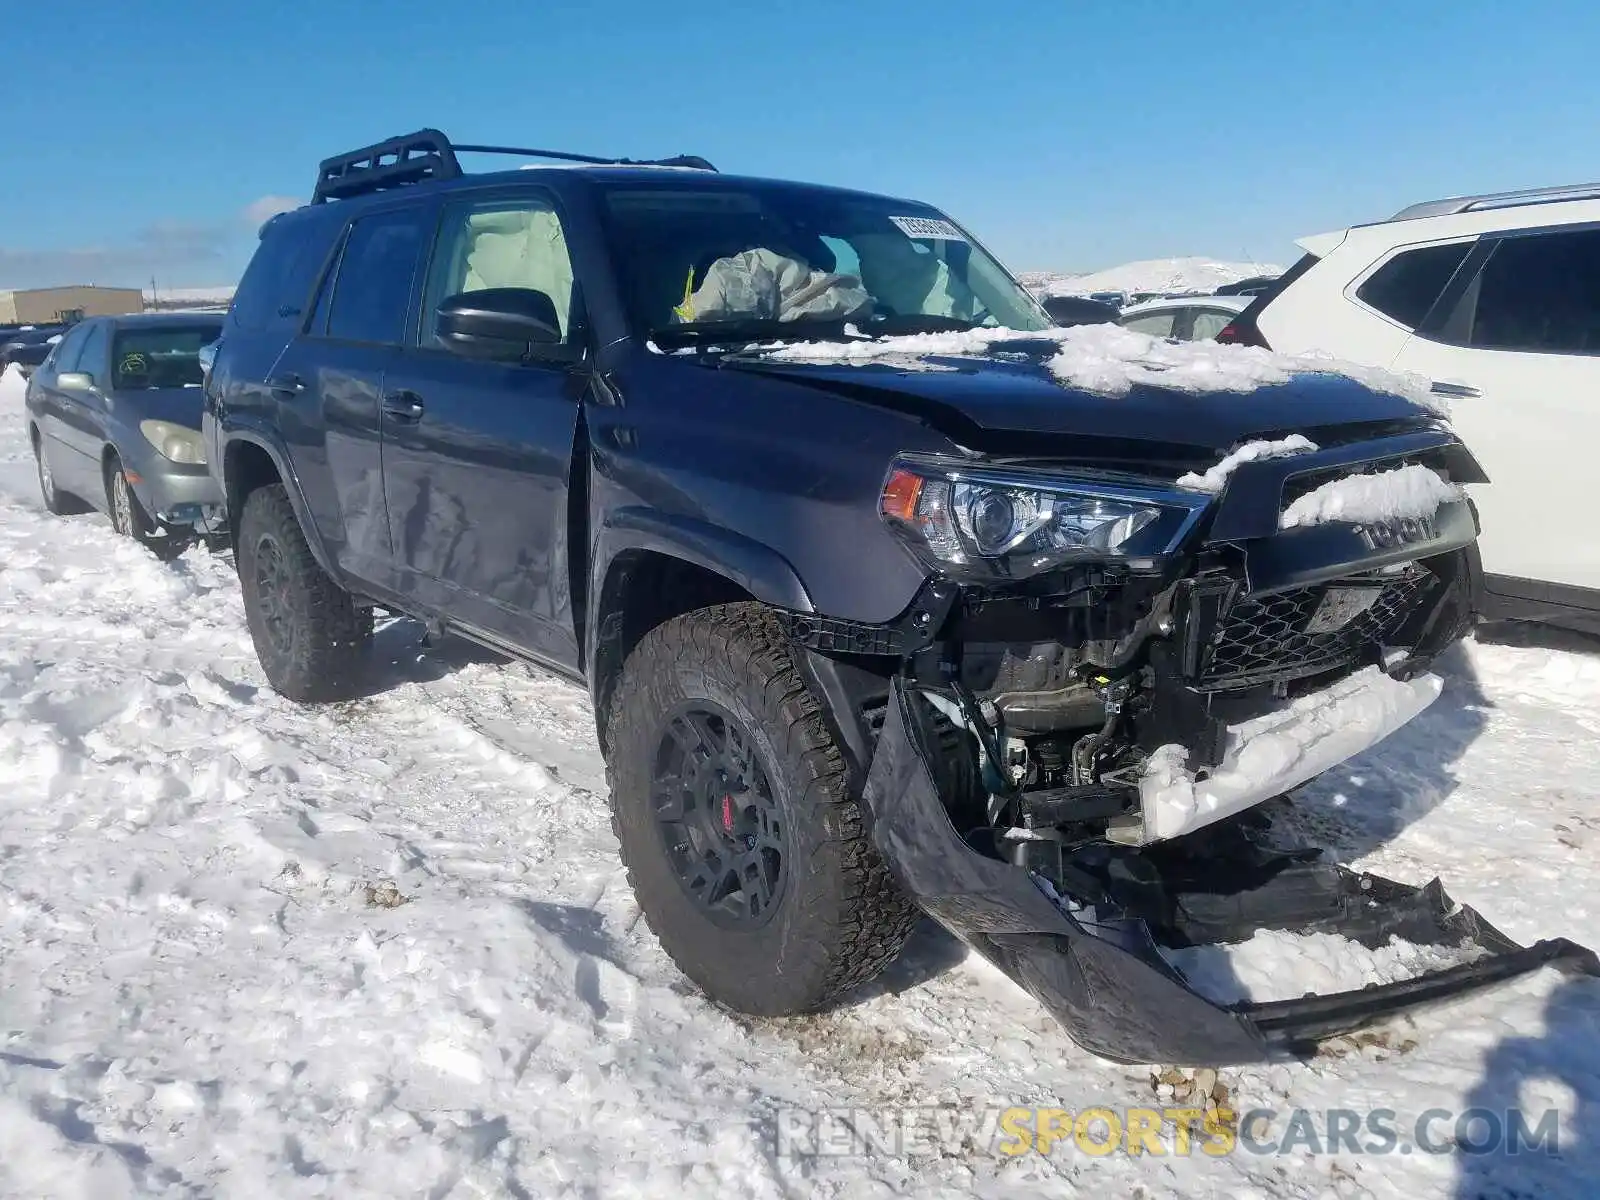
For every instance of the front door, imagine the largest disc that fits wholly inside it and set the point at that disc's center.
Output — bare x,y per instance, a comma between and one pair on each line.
476,454
1518,362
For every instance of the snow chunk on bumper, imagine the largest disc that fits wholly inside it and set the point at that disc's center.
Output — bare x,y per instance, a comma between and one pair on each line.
1278,965
1268,755
1406,493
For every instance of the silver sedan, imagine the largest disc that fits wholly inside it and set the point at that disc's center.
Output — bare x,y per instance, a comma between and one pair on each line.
114,418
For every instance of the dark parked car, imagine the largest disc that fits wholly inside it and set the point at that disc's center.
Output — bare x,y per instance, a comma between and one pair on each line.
1078,310
26,346
1254,286
870,623
114,419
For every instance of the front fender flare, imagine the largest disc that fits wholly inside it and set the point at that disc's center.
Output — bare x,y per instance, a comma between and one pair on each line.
758,569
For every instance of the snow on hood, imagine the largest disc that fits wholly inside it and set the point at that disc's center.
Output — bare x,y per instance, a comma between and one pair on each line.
1216,478
1110,360
1408,492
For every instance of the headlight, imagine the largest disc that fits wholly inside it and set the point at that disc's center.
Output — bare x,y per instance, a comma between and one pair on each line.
1002,523
176,442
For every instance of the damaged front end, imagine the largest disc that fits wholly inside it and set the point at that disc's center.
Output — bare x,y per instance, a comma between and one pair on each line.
1086,939
1072,741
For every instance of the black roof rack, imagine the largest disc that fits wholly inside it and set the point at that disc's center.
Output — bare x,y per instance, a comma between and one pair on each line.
429,154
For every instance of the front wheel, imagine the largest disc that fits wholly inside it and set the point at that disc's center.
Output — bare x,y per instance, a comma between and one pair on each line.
307,630
129,518
743,842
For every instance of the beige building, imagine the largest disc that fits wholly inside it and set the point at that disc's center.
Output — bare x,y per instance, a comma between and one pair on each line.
41,306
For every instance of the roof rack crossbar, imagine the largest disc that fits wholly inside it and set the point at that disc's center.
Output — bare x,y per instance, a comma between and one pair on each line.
429,154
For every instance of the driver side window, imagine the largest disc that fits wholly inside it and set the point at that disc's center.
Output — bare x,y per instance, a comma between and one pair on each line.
503,243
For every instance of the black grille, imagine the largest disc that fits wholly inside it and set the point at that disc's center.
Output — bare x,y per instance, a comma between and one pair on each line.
1266,638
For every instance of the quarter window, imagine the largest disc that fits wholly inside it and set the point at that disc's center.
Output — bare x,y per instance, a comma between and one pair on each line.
1539,292
373,289
1406,286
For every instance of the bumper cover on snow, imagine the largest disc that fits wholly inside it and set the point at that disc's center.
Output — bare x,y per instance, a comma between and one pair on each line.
1100,970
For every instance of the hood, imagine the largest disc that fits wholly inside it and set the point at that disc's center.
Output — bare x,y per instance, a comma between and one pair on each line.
1015,406
181,406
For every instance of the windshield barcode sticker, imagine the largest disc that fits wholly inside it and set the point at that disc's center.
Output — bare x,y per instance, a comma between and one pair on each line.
928,227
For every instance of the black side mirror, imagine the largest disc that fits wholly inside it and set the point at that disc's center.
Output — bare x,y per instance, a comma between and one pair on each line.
504,324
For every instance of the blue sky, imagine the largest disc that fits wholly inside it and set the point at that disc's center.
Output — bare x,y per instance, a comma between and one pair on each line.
144,136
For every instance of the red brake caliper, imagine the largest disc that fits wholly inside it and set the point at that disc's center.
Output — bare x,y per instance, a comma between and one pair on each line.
727,814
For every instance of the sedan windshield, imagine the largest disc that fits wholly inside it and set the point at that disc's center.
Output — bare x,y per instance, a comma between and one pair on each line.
164,356
745,261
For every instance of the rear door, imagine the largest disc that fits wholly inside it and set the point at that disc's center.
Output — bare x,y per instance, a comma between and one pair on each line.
1515,352
45,393
329,382
477,455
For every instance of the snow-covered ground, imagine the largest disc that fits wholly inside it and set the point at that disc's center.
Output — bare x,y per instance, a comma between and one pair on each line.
384,947
1149,275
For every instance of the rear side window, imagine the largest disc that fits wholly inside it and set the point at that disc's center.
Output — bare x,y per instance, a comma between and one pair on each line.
275,284
1539,292
1208,322
1406,286
373,289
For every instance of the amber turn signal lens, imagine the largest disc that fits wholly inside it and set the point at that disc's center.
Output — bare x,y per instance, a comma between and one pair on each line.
900,495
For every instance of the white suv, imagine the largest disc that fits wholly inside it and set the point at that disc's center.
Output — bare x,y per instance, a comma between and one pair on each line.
1496,299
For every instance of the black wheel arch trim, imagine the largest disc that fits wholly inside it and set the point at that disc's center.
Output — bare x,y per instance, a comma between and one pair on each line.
262,439
756,568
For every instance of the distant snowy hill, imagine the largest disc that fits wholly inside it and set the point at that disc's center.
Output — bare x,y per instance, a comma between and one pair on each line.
1149,275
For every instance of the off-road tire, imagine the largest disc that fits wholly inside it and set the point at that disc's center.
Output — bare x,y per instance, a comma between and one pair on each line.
840,918
314,654
56,502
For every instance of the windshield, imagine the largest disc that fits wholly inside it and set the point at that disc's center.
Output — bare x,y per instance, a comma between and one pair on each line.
762,260
166,356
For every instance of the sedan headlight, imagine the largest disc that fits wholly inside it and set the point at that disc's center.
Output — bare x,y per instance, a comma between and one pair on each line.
176,442
1002,523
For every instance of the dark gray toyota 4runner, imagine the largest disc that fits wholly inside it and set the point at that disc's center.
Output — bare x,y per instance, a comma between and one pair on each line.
891,597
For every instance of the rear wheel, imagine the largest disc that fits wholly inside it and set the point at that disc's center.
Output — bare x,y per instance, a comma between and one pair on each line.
56,502
307,630
744,843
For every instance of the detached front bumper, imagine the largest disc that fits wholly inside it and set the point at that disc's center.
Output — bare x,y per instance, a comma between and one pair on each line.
1271,754
1093,958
